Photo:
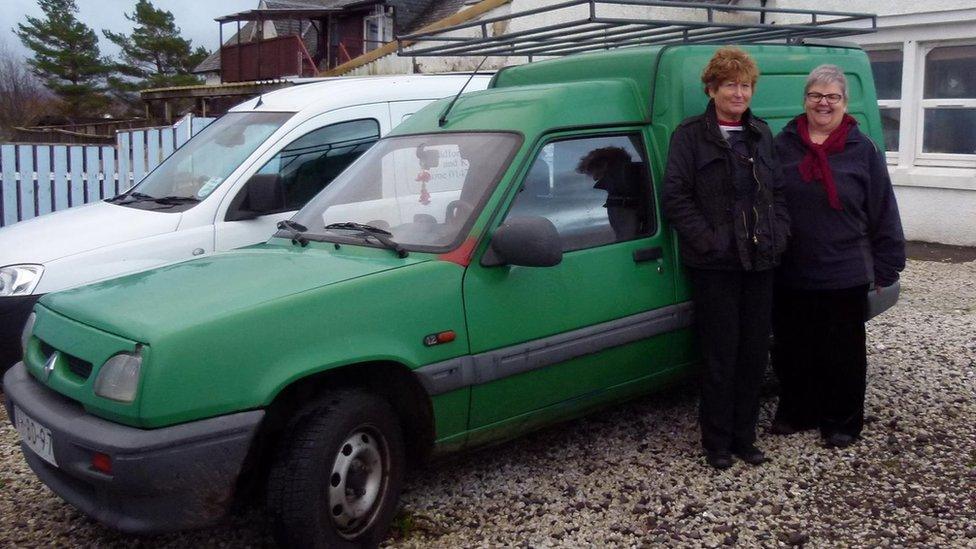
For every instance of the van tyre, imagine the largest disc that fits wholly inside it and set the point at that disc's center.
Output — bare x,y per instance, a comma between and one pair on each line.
336,476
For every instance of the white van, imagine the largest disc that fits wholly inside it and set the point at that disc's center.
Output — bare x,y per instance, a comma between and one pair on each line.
226,187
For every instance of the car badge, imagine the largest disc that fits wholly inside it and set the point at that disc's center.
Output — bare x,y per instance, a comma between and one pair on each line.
49,365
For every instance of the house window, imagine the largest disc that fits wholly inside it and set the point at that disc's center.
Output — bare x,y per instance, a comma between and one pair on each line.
886,65
949,104
377,30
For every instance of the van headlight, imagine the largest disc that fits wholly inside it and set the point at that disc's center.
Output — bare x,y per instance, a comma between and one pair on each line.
118,378
19,279
28,330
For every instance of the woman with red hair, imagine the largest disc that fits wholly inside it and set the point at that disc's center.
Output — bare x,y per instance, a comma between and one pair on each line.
722,196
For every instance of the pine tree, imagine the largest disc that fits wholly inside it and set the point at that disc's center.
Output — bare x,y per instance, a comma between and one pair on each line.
66,57
153,55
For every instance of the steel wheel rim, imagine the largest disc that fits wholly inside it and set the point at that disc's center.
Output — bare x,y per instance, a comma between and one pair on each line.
356,481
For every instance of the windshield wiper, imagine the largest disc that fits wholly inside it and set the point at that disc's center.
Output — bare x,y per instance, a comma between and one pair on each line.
130,197
295,231
174,200
379,234
351,225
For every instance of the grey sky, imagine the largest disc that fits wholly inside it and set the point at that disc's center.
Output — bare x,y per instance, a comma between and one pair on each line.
194,17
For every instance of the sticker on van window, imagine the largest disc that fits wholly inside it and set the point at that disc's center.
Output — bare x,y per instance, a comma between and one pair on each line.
209,186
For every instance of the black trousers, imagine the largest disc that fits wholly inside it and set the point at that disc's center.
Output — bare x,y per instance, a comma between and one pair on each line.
732,316
820,358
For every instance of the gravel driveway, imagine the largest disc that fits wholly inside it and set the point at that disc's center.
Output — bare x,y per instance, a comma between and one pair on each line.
633,476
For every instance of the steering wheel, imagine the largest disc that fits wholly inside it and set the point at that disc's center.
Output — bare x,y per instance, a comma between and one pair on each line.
457,212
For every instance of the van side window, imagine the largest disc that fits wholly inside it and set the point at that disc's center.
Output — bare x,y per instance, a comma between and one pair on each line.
595,190
306,165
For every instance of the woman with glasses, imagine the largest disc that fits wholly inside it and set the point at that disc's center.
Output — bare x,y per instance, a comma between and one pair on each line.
722,196
846,235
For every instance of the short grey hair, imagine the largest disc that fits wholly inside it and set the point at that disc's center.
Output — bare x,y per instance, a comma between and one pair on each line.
827,74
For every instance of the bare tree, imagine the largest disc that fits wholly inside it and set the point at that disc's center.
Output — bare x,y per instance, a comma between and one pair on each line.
23,97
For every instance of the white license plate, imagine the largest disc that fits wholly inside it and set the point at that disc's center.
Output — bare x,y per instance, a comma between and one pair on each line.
36,436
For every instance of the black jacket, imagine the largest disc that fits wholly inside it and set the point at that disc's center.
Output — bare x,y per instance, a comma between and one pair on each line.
834,249
715,230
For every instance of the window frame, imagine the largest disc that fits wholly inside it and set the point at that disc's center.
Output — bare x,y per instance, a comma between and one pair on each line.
242,193
384,29
948,160
626,132
378,135
893,156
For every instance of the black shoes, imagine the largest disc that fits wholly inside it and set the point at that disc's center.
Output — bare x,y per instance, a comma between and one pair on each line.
751,455
838,440
720,460
783,427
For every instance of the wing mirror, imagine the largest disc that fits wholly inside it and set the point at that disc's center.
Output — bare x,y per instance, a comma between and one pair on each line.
525,241
262,195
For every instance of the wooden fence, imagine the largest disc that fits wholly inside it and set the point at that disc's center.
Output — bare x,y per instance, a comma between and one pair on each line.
90,133
39,179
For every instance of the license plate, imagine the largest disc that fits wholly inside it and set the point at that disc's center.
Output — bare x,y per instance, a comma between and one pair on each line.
36,436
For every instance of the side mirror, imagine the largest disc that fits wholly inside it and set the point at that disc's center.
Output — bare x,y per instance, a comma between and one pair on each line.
525,241
263,194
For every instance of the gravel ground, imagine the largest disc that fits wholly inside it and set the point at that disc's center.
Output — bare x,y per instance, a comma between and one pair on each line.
634,476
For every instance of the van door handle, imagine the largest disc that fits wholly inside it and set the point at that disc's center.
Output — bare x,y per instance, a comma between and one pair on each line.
648,254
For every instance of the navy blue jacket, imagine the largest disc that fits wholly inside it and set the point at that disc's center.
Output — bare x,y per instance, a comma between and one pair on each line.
833,249
717,230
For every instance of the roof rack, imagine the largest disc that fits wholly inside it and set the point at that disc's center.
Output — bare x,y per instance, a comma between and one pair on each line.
578,26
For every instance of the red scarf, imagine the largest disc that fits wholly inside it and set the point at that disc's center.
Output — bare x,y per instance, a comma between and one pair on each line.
814,165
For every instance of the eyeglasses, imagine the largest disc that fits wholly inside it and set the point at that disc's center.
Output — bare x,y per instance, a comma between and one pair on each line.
832,98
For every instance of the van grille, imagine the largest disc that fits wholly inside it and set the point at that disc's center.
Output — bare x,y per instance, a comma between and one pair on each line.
76,366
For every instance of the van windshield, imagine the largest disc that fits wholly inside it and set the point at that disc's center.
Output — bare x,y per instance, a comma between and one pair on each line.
423,191
198,167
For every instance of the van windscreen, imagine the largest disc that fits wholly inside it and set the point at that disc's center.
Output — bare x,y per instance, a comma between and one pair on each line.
198,167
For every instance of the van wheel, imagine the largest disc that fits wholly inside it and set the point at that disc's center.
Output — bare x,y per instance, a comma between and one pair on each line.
337,473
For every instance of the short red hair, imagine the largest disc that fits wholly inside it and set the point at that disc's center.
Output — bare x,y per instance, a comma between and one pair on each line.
729,64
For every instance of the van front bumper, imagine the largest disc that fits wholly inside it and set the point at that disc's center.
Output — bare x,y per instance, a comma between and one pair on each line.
164,479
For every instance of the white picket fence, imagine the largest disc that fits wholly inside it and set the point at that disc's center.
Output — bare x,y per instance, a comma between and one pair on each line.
39,179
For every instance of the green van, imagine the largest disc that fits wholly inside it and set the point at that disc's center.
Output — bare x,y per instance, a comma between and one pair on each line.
461,283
